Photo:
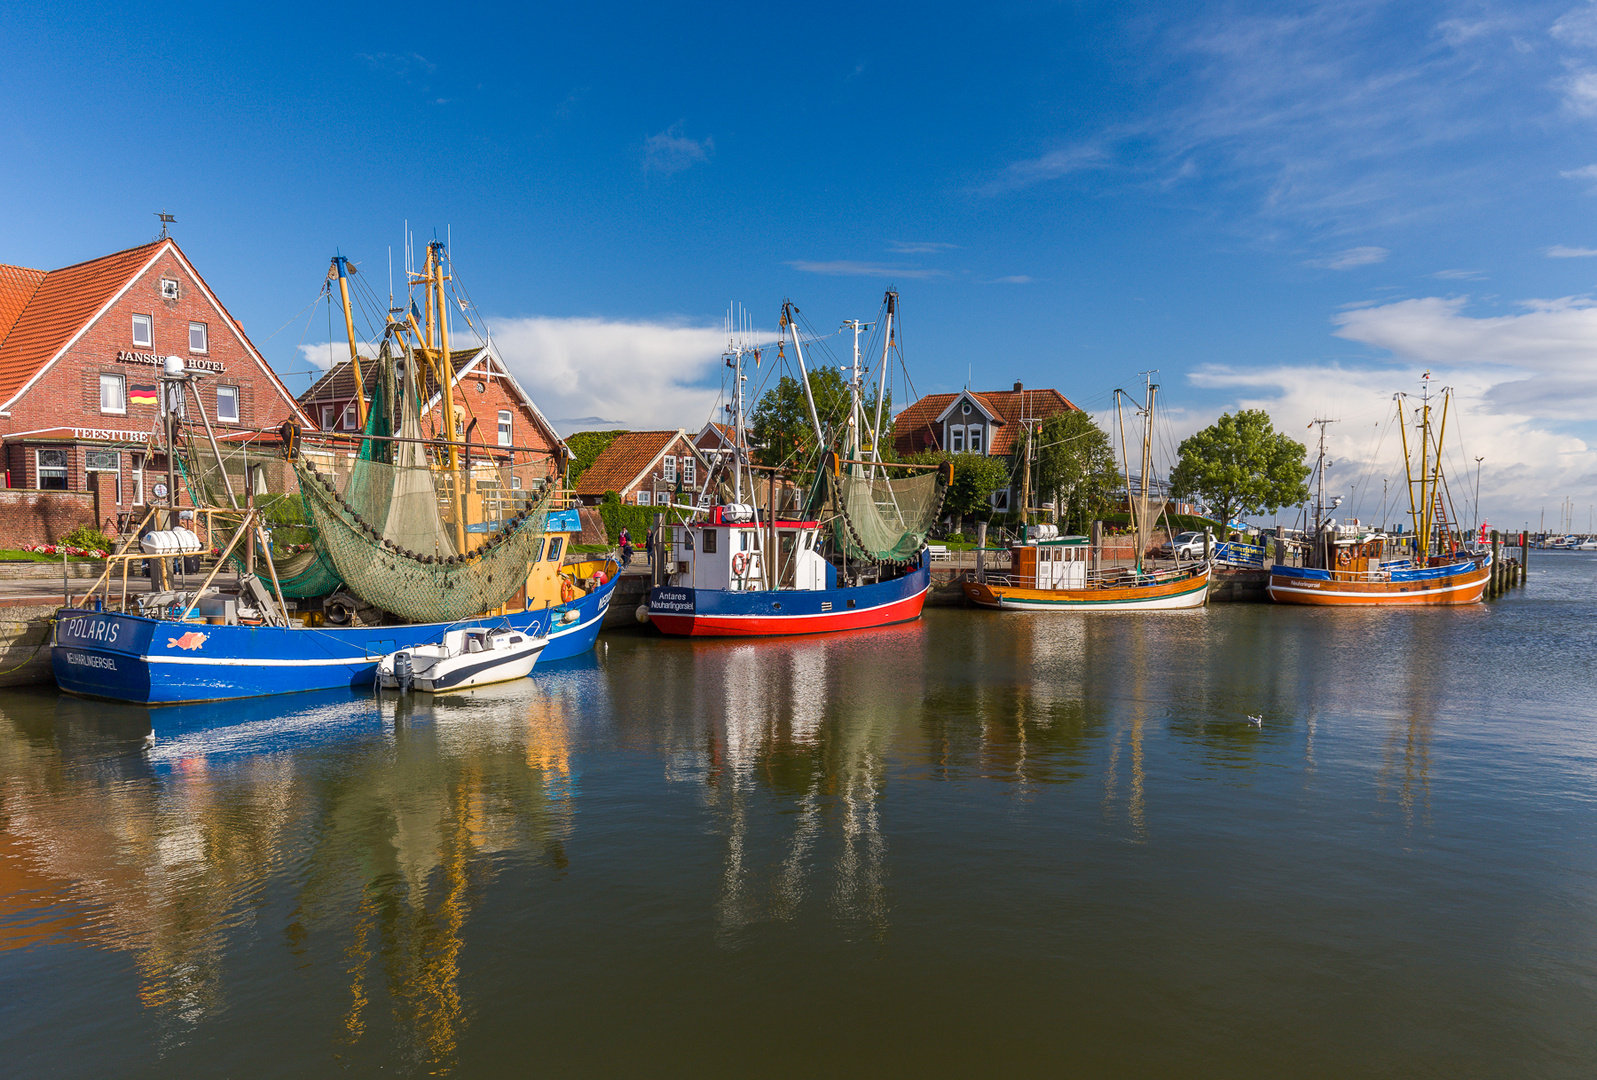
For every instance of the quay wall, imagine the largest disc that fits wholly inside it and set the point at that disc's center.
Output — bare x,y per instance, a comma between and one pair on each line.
24,633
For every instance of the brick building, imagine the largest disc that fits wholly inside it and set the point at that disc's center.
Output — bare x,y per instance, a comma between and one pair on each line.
80,349
976,422
645,468
485,392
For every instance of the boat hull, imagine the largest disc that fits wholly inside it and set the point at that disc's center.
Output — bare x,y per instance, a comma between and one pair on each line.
723,613
1463,583
1177,595
165,662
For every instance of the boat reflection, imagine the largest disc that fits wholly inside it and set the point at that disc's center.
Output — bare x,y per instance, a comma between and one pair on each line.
395,813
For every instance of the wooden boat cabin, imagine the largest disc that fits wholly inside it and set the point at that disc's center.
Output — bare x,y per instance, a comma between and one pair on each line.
1050,563
728,551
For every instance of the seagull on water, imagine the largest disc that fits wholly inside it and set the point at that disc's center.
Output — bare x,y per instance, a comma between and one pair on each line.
1256,721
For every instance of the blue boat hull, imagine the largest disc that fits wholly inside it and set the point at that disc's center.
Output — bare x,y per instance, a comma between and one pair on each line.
163,662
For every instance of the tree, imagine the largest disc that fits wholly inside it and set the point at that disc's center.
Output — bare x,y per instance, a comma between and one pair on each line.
976,477
1072,464
1240,465
780,424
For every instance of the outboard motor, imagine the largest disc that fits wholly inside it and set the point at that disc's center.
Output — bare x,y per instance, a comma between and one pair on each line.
404,674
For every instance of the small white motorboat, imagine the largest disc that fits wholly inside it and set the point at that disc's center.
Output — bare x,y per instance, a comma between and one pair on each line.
465,658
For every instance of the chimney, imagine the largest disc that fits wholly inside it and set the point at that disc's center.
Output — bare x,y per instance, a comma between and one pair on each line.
1018,386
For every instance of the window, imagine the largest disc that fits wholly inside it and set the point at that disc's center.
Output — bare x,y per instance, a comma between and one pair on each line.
537,552
515,483
554,548
52,467
643,498
169,289
143,331
105,461
973,438
327,417
1001,500
704,501
690,471
198,339
351,421
227,404
113,394
709,541
668,468
956,439
136,463
504,426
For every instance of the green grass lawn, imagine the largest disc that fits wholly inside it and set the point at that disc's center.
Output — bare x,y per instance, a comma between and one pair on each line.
9,555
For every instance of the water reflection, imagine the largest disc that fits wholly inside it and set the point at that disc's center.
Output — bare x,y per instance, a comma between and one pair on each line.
806,794
389,817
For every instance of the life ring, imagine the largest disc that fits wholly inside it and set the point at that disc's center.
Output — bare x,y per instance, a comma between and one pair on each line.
1343,557
567,592
740,563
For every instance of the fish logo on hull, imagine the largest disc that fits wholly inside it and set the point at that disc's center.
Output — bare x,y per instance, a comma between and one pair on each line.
190,641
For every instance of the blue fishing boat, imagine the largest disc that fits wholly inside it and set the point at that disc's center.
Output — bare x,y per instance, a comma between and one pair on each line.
162,661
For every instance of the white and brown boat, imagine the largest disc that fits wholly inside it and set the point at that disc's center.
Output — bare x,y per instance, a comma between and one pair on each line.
1053,575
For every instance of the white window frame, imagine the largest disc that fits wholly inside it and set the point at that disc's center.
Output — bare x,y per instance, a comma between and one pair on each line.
327,417
506,427
170,289
238,408
116,470
668,468
1000,500
205,337
350,418
956,438
121,384
148,321
973,438
66,469
136,468
690,470
643,498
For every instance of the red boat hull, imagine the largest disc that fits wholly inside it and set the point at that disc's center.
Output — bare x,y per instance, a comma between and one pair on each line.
708,625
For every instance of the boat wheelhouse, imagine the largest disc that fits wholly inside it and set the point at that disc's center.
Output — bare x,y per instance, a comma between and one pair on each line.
1055,574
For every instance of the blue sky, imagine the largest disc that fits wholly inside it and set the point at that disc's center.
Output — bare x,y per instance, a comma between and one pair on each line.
1293,206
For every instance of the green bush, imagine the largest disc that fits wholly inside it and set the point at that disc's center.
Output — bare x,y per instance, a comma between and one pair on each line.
637,520
87,536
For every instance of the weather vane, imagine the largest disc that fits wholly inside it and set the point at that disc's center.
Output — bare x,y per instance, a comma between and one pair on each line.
166,220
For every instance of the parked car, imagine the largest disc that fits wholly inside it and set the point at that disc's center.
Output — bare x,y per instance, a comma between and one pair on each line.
1187,545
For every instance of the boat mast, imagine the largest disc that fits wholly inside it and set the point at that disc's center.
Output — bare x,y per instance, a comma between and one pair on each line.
446,371
734,360
1147,466
856,409
788,311
342,268
891,301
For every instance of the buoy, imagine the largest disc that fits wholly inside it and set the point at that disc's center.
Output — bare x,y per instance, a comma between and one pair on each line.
642,613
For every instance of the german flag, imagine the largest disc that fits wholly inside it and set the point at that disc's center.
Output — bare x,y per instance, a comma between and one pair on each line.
142,395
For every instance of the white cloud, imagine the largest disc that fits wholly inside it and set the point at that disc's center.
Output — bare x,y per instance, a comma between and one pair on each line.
670,151
1586,172
1577,26
643,374
1540,359
919,247
1559,251
852,268
324,354
1527,464
1049,166
1013,279
1459,275
1352,257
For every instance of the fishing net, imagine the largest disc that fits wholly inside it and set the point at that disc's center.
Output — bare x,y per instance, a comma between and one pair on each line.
385,517
883,520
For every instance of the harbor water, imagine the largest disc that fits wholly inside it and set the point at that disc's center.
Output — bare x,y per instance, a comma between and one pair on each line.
972,843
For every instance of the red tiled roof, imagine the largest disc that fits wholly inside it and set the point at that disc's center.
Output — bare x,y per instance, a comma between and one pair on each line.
61,305
17,286
620,463
916,424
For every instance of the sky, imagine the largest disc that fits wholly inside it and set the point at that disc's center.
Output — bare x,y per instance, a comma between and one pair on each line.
1301,207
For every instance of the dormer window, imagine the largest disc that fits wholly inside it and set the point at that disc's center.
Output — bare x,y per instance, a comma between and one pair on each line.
973,438
956,439
965,408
